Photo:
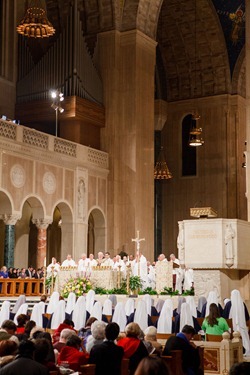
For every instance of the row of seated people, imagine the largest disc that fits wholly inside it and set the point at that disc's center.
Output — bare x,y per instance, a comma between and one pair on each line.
107,351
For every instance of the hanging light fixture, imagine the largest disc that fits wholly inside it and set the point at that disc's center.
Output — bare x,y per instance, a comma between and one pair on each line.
35,23
195,133
161,171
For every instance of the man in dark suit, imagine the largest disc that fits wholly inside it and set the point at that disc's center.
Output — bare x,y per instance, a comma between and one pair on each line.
190,354
107,356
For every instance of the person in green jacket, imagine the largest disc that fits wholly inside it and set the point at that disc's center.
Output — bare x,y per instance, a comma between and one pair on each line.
213,324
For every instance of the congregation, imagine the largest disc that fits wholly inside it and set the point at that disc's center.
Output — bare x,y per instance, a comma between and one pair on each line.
75,332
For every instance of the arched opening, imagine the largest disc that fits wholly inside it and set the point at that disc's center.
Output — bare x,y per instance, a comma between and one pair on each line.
96,232
26,233
60,233
5,209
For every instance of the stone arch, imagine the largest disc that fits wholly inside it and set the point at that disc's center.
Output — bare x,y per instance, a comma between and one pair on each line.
32,210
61,232
239,75
96,231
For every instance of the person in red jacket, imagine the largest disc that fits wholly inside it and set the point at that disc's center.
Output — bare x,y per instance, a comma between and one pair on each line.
71,354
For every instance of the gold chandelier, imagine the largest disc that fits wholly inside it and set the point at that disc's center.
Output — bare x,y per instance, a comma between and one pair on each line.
195,133
161,171
35,23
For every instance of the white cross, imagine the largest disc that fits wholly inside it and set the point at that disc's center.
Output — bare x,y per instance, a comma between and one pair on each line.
138,240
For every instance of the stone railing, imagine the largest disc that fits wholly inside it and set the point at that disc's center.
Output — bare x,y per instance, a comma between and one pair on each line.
26,136
220,356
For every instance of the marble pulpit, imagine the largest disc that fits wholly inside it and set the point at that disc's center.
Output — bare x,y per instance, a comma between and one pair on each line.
218,251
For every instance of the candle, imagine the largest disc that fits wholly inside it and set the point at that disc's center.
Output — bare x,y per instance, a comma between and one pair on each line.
44,262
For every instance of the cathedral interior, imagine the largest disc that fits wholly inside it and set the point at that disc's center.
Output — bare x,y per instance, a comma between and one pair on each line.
134,73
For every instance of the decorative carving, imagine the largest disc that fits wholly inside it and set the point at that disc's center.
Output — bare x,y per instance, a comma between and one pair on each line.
163,275
10,219
180,242
17,175
229,236
98,157
65,147
49,182
7,130
35,138
42,223
206,281
81,199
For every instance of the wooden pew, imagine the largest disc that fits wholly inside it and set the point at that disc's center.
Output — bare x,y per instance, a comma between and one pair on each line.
174,362
88,369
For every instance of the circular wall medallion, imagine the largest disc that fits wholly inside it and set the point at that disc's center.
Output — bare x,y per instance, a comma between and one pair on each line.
17,175
49,183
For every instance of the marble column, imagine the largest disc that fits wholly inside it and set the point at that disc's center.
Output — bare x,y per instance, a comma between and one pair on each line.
9,242
42,225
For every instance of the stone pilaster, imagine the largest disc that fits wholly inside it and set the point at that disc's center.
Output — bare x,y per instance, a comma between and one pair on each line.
9,242
127,66
42,225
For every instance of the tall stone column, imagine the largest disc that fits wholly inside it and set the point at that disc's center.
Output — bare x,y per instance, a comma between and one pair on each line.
127,66
247,52
9,242
42,225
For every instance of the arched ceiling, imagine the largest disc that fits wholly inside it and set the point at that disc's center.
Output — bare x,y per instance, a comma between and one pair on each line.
195,55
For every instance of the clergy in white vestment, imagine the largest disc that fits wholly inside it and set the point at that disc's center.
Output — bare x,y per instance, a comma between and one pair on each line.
100,258
92,262
83,263
107,262
5,312
237,313
53,266
164,324
69,262
71,301
139,268
180,274
141,315
58,315
119,316
53,303
151,275
79,313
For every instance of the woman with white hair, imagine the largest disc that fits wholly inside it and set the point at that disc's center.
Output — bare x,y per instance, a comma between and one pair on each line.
165,322
97,335
150,336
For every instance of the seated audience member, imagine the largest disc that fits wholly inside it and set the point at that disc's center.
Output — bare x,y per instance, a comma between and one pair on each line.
8,351
152,366
108,356
242,368
30,324
186,318
4,273
64,336
35,332
21,321
147,344
212,298
133,347
213,324
24,362
42,353
67,323
8,330
71,353
45,335
13,274
150,336
84,332
97,335
190,354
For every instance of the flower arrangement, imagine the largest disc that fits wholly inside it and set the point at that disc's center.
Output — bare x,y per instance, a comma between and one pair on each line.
77,285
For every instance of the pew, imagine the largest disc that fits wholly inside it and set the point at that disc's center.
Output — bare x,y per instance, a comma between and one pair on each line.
88,369
174,362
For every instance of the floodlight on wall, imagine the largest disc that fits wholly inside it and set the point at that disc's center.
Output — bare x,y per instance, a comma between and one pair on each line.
35,23
57,98
161,171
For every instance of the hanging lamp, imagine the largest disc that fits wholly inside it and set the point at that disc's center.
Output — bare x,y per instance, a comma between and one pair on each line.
161,171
